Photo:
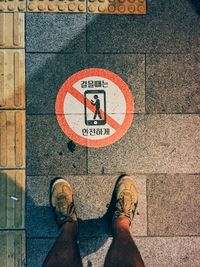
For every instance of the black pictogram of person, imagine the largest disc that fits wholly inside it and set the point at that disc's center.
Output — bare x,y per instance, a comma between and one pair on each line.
96,103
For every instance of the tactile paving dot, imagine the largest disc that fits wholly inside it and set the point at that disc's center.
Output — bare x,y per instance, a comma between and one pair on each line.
117,6
12,6
56,6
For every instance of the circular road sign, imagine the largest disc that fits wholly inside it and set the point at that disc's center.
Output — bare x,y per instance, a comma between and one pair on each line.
94,107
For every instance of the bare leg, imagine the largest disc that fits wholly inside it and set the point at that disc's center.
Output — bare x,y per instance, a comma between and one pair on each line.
123,251
65,252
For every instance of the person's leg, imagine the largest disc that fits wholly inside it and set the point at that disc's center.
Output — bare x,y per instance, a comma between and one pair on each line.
65,251
123,252
95,115
99,114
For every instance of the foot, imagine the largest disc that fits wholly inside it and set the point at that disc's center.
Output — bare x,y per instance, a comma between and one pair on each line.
126,199
61,200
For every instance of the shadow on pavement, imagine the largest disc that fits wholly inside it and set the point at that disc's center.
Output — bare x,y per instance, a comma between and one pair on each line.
196,5
89,230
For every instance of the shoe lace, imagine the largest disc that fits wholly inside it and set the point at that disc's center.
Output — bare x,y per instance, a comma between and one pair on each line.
62,203
64,206
125,204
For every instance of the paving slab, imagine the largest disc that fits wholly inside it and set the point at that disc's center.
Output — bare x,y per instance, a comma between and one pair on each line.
59,32
44,81
57,6
92,196
172,84
117,7
12,141
155,251
13,6
173,205
37,249
97,250
12,79
169,27
153,144
169,251
11,30
12,199
49,151
12,251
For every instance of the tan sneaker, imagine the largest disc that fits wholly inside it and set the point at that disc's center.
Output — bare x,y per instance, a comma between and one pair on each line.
61,200
126,198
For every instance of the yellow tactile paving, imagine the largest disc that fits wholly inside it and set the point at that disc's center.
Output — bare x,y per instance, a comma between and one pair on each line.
117,6
12,199
11,30
56,5
12,6
12,79
12,252
12,139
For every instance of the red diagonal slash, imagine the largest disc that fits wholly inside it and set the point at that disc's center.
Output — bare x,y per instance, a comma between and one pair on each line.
75,93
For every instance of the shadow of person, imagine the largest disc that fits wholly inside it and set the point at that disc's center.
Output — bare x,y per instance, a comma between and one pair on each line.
101,226
196,5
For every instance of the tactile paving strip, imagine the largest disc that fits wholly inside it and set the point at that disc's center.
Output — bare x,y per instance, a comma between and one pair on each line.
11,30
12,199
117,6
56,5
12,79
12,252
12,6
12,139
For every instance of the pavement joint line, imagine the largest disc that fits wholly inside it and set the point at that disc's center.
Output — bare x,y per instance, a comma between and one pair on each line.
87,157
145,83
143,53
108,236
12,229
138,113
12,169
105,174
147,206
105,53
109,174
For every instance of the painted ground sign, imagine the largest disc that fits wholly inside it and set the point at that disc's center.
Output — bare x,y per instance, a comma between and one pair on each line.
94,107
